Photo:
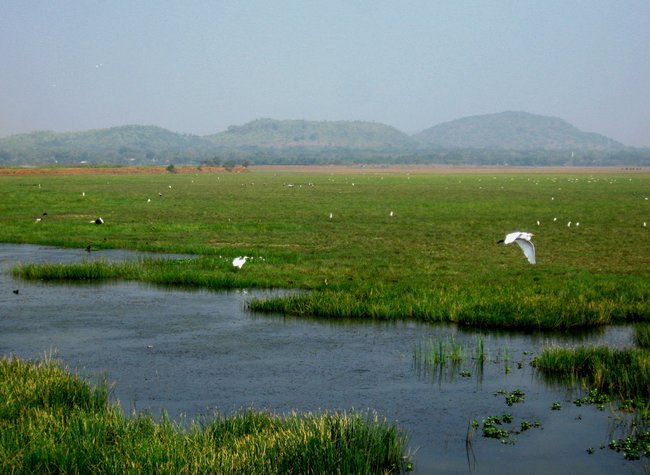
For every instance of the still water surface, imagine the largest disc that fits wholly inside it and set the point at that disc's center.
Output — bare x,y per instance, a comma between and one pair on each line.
195,352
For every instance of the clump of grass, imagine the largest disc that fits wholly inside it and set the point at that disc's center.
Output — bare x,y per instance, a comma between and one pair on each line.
52,421
438,353
483,307
622,373
642,335
83,271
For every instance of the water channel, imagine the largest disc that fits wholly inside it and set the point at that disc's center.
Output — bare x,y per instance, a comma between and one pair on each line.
191,353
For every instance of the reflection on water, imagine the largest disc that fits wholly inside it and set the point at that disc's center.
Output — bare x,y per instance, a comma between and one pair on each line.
194,352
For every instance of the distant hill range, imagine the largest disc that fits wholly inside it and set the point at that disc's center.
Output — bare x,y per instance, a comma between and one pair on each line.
507,138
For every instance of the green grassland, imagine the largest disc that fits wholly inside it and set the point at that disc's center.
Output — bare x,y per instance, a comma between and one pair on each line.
434,259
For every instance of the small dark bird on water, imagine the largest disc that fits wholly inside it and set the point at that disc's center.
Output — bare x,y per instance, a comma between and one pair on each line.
87,248
16,291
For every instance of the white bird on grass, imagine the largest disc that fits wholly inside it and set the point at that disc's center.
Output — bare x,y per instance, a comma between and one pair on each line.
523,240
239,261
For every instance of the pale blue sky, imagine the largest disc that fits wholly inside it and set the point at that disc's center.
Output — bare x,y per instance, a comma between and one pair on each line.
199,66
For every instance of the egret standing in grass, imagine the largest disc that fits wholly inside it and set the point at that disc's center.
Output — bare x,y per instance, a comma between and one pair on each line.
523,240
239,261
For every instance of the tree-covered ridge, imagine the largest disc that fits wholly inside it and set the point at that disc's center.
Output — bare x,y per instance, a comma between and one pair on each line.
292,133
509,138
514,131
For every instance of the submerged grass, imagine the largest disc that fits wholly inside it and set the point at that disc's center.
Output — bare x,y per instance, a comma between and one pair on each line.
52,421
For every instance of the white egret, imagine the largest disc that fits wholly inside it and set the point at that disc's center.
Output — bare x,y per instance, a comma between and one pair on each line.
239,261
523,240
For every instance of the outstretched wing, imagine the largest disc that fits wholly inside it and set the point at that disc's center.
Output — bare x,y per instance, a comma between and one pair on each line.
528,248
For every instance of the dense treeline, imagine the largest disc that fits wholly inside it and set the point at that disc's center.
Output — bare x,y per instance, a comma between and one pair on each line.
328,156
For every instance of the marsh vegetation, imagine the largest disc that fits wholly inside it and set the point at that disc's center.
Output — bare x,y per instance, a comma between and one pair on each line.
54,421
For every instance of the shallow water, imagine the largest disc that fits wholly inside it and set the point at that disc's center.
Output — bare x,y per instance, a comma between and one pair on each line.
193,352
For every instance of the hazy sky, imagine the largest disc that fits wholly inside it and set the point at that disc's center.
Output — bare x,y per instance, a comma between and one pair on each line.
197,67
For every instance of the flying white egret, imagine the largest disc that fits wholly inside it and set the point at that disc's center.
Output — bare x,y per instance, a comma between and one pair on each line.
523,240
239,261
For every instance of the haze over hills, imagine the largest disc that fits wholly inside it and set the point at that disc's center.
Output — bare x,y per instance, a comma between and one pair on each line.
514,131
507,138
303,133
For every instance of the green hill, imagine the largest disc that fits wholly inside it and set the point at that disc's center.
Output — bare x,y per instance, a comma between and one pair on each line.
117,145
315,134
514,131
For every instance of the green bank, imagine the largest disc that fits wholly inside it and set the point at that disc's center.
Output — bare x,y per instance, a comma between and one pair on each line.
55,422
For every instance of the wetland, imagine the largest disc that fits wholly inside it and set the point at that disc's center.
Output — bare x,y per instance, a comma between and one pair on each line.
191,353
400,302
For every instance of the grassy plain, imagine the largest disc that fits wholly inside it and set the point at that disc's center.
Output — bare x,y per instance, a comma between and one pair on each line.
434,259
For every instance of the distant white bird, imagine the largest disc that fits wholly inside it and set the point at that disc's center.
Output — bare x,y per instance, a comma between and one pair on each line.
391,214
97,221
331,215
239,261
523,240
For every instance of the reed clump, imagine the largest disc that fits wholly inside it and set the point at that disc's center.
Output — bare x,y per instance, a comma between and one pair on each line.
624,373
54,422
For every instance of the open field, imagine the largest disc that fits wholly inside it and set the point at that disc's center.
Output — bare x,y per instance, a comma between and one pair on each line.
434,259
